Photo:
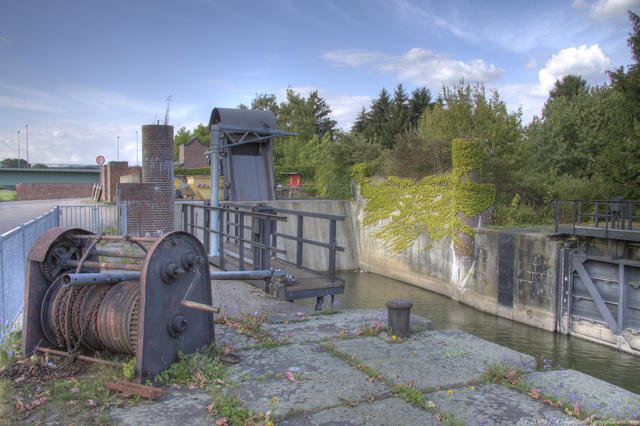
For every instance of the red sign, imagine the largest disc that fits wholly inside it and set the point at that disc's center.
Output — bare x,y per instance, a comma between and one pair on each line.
100,160
294,181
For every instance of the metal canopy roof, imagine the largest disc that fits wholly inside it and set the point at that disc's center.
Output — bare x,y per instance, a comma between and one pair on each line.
243,118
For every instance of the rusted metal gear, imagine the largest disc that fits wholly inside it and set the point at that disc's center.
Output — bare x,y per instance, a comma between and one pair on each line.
55,261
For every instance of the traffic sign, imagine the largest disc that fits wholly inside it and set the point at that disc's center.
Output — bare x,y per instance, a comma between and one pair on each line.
100,160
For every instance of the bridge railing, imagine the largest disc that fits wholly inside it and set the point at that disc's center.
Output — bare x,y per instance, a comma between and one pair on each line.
107,219
603,218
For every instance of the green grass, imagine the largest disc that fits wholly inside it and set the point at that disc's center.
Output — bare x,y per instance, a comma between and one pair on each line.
7,195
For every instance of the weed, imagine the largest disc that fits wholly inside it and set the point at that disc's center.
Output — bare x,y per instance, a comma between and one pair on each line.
230,408
410,394
129,369
197,369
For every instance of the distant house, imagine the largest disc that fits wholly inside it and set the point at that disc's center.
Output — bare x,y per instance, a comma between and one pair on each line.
191,154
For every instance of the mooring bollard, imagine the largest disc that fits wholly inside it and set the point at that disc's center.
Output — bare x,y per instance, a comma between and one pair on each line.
398,315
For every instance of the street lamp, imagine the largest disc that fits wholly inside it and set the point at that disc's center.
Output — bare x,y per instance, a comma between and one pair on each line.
137,163
18,148
26,127
118,149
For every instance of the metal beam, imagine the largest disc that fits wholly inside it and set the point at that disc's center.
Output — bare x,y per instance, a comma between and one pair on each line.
593,292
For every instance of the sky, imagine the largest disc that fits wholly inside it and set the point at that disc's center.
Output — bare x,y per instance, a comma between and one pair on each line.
82,77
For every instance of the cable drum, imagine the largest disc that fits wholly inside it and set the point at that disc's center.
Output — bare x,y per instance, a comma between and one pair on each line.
118,317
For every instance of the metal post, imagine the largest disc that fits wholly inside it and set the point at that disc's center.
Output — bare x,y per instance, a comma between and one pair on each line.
622,297
192,217
184,217
557,214
206,234
221,241
332,249
215,177
241,242
299,241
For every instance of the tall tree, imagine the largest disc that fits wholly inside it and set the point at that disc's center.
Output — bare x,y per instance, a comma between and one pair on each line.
14,163
419,102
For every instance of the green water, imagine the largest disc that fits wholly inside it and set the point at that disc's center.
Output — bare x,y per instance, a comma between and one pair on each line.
367,290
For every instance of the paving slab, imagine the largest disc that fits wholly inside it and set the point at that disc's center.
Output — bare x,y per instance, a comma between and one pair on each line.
176,406
491,404
229,336
391,411
346,322
431,359
594,396
321,380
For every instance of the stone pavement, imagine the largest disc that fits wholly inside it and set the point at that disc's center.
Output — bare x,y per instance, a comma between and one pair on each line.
342,376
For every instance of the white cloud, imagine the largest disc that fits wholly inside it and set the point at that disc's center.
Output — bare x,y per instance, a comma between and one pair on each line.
580,4
604,10
590,63
418,66
351,57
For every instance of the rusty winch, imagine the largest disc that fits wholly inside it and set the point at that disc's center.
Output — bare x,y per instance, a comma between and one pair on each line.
152,302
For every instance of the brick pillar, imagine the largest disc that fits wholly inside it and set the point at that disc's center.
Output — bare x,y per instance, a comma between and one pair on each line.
157,169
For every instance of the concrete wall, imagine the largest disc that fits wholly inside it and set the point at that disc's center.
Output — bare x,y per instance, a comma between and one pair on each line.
511,275
49,191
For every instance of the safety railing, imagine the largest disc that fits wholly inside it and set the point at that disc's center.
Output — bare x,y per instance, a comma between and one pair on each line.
599,218
107,219
14,247
266,234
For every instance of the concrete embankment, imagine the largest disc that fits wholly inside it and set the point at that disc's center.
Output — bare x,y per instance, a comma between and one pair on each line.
327,370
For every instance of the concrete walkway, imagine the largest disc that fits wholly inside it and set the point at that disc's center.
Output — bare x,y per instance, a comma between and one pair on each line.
343,376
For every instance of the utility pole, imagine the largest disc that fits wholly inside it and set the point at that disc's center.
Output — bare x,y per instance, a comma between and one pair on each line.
18,148
26,127
118,149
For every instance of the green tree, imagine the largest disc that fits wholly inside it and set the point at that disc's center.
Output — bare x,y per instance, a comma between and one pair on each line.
570,86
419,102
14,163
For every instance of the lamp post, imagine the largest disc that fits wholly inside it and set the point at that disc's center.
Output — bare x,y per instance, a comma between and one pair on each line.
26,127
18,148
118,149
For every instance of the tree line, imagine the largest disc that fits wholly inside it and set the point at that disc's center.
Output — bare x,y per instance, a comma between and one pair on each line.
584,145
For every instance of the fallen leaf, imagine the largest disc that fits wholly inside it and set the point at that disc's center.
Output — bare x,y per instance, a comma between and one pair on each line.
210,407
376,325
192,387
439,417
20,406
227,349
289,375
510,375
353,356
342,333
535,393
92,403
548,402
576,408
19,379
221,422
74,390
289,335
359,332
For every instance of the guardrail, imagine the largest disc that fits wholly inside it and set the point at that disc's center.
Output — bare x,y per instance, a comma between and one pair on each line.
107,219
617,219
263,235
14,247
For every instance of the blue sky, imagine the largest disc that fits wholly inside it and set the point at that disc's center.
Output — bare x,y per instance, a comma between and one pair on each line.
82,73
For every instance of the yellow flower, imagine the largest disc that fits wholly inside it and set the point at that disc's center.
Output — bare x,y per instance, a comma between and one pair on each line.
269,423
393,337
449,392
413,352
274,399
261,415
472,387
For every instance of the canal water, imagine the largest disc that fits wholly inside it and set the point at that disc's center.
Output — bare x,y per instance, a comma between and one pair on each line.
368,290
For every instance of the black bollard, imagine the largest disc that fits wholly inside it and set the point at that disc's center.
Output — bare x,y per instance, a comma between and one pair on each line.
398,314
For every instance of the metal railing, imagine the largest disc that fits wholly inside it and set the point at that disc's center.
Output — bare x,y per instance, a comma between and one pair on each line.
264,226
14,247
107,219
597,217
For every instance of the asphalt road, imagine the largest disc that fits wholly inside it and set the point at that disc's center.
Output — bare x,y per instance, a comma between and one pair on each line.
15,213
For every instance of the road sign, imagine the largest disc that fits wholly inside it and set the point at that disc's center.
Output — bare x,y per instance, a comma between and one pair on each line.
100,160
294,181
